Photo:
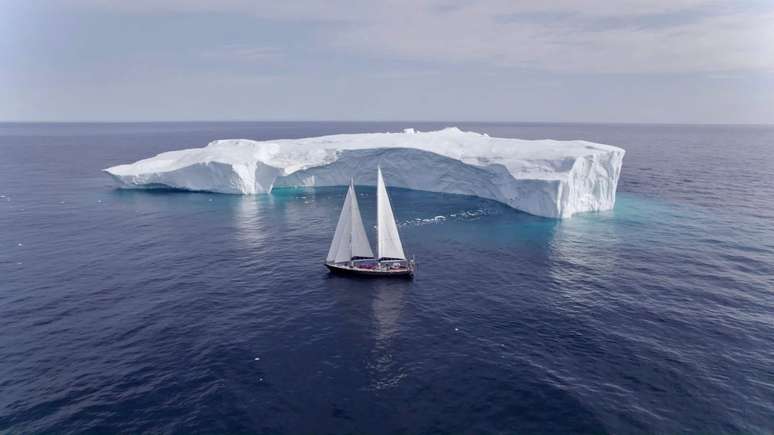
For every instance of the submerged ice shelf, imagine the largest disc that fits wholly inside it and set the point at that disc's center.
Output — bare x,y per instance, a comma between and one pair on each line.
542,177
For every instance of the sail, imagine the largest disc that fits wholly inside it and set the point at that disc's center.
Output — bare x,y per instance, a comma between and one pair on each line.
361,247
389,245
350,239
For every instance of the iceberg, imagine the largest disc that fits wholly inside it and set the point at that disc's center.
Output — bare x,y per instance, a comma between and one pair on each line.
548,178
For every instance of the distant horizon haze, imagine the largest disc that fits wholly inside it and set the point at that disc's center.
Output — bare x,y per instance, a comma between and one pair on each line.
408,123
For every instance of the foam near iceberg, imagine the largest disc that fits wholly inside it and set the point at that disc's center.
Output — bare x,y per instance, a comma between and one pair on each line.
543,177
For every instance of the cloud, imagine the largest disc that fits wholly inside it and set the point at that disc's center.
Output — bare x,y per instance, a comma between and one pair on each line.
567,40
593,36
241,53
338,10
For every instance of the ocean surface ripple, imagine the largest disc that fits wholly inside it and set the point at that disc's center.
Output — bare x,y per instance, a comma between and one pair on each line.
174,312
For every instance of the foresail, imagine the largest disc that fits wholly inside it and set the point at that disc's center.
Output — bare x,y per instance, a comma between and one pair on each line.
340,246
350,239
389,245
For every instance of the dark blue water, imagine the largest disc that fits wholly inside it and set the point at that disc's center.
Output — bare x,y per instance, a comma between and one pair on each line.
130,311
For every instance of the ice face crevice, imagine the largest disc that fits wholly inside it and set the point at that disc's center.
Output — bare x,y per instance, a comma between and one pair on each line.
543,177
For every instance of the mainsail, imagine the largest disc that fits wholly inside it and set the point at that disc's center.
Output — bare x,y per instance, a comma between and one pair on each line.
350,239
389,245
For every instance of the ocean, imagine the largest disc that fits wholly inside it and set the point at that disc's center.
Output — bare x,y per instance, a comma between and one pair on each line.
176,312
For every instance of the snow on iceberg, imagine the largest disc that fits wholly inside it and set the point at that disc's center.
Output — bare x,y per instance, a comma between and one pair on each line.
543,177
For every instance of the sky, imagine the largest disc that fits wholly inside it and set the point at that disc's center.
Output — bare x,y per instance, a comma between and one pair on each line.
676,61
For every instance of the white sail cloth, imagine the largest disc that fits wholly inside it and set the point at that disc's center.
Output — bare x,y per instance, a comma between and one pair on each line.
350,239
388,245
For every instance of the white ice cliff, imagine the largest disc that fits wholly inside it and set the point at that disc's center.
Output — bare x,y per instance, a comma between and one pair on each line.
542,177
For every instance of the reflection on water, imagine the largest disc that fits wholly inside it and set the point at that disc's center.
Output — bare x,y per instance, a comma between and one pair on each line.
387,306
586,242
594,246
247,219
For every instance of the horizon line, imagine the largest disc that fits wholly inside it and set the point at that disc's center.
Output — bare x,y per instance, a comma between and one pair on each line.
354,121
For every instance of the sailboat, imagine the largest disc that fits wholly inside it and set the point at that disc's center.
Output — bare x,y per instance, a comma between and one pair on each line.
350,251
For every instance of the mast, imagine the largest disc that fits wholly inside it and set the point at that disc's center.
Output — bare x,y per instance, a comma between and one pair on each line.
388,245
350,239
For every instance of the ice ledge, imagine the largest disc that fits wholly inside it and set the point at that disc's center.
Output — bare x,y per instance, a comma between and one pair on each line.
543,177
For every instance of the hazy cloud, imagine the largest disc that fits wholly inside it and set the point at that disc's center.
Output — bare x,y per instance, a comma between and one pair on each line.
240,53
577,36
625,60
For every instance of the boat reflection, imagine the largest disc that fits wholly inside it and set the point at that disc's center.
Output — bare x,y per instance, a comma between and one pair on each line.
387,305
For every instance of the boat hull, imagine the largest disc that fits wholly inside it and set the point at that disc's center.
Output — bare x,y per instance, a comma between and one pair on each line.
342,269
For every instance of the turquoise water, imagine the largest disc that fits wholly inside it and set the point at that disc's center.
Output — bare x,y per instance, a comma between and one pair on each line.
128,311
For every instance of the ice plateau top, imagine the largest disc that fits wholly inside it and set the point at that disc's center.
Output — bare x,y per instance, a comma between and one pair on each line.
543,177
